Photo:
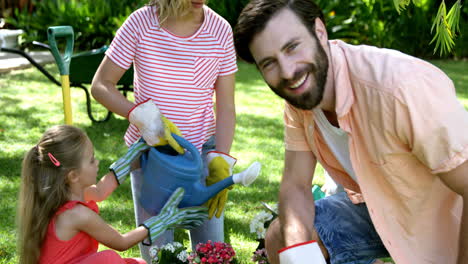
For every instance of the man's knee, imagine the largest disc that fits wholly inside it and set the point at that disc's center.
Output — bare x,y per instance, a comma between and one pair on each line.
273,241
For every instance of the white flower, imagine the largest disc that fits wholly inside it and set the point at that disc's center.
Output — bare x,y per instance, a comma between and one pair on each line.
257,225
169,247
177,244
261,231
153,251
182,256
254,226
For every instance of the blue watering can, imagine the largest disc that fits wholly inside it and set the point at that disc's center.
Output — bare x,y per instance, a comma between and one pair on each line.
164,170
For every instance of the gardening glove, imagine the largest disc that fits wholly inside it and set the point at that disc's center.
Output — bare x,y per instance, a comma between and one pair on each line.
170,128
302,253
154,127
121,167
195,219
219,167
171,217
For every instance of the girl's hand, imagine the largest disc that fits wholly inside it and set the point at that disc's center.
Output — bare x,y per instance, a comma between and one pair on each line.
121,167
171,217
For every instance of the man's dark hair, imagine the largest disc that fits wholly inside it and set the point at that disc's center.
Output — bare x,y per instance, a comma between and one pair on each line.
257,13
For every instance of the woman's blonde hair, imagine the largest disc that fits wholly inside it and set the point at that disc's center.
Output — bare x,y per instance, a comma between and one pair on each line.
171,8
44,185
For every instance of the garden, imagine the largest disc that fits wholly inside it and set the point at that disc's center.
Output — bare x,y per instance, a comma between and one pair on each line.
31,103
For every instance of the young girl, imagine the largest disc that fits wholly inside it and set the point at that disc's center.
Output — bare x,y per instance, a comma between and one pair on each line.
58,216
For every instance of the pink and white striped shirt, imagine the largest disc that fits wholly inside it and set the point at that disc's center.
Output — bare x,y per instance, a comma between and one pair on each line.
177,73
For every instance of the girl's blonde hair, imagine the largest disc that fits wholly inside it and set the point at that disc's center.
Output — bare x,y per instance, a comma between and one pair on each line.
171,8
44,185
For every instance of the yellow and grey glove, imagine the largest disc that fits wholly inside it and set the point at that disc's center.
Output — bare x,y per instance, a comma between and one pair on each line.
121,167
171,217
219,167
154,127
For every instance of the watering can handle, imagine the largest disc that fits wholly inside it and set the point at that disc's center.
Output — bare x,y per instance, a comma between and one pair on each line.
63,63
183,143
186,145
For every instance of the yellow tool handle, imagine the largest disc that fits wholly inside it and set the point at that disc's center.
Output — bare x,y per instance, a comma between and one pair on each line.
66,99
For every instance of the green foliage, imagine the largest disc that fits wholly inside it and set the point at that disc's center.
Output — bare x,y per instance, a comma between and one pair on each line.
460,49
94,22
446,27
401,4
229,9
404,25
375,22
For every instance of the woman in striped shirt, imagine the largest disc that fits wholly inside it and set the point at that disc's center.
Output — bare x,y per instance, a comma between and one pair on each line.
183,54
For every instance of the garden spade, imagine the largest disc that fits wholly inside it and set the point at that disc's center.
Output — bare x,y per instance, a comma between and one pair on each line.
63,63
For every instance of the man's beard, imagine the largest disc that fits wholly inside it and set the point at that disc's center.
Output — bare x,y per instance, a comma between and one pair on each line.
313,95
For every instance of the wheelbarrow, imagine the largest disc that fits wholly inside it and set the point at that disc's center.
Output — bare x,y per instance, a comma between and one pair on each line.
82,68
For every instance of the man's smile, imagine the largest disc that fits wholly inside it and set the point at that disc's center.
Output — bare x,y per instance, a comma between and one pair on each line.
299,82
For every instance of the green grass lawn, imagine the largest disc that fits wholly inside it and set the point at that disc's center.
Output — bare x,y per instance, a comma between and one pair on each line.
30,104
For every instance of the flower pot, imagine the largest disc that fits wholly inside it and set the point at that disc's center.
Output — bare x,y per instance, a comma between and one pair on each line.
9,38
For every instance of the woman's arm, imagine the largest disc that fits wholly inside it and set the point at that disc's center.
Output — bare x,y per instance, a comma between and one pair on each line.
104,89
225,112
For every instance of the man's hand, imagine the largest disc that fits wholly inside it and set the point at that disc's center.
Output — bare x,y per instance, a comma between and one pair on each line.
171,217
355,197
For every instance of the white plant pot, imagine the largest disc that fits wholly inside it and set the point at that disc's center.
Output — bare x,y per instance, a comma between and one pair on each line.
9,38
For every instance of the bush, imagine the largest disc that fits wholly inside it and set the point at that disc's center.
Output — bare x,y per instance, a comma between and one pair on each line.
229,9
374,22
94,22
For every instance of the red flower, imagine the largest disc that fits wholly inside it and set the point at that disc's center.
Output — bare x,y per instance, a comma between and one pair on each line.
217,252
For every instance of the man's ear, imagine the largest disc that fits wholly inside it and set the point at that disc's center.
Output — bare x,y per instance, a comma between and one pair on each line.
321,31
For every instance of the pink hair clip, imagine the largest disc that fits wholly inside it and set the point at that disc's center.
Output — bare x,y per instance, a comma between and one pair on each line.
53,159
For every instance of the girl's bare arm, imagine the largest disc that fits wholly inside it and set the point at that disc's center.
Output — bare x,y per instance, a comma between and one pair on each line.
102,189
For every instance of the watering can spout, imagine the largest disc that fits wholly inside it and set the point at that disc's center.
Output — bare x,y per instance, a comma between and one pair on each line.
207,192
245,178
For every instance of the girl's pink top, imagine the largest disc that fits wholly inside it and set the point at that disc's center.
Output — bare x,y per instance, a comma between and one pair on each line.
55,250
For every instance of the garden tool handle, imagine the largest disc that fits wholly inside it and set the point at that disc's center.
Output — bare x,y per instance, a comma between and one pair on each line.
61,31
63,63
